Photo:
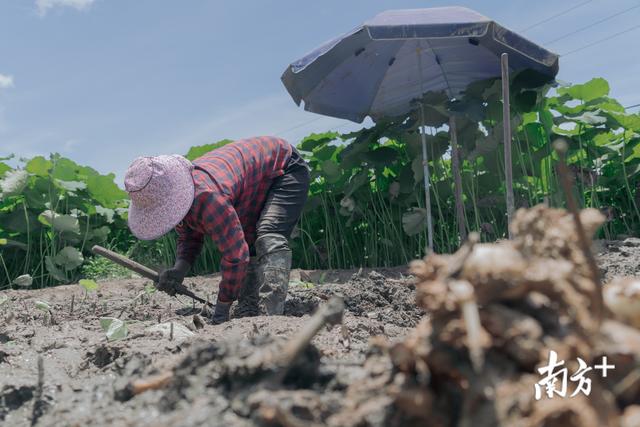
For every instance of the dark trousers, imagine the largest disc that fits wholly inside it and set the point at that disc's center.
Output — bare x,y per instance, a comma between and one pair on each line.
286,198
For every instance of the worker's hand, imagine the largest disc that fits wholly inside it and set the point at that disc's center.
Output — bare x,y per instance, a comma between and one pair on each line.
169,280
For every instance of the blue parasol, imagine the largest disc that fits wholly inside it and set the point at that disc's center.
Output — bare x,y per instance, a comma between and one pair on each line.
380,68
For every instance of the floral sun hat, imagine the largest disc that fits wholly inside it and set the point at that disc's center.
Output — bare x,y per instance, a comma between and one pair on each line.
161,190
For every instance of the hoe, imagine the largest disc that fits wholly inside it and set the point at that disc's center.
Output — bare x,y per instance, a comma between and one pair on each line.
143,271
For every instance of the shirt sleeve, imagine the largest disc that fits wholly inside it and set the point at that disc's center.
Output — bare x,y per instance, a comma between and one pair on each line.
189,244
220,220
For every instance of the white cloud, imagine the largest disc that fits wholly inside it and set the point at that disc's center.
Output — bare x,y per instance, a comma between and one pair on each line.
45,5
6,81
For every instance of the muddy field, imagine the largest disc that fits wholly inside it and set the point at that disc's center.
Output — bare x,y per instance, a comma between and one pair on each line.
82,369
619,258
58,368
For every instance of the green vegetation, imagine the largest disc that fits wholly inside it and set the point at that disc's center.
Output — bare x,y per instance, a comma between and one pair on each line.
366,204
101,268
51,212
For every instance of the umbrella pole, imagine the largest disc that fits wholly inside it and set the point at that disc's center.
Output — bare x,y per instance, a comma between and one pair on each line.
457,179
425,170
506,119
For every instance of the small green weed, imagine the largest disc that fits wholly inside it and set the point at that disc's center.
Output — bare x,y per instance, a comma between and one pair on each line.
99,268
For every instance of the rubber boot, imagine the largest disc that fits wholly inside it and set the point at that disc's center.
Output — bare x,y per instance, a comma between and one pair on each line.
248,297
221,313
274,265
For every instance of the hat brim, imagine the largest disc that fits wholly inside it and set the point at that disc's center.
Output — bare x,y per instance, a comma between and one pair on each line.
151,222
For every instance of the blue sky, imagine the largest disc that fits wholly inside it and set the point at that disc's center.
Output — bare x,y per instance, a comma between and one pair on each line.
104,81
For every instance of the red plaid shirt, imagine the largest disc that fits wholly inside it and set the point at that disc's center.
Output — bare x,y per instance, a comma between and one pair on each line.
231,185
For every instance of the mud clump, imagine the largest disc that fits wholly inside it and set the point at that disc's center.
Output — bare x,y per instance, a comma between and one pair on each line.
103,355
231,378
372,295
12,398
233,367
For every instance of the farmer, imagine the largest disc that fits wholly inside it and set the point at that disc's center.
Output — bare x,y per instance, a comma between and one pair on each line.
246,196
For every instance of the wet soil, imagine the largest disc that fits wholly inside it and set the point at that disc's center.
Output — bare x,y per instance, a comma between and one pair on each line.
216,381
82,372
619,257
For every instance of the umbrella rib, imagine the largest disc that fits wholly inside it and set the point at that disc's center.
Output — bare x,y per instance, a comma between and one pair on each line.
384,75
444,74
